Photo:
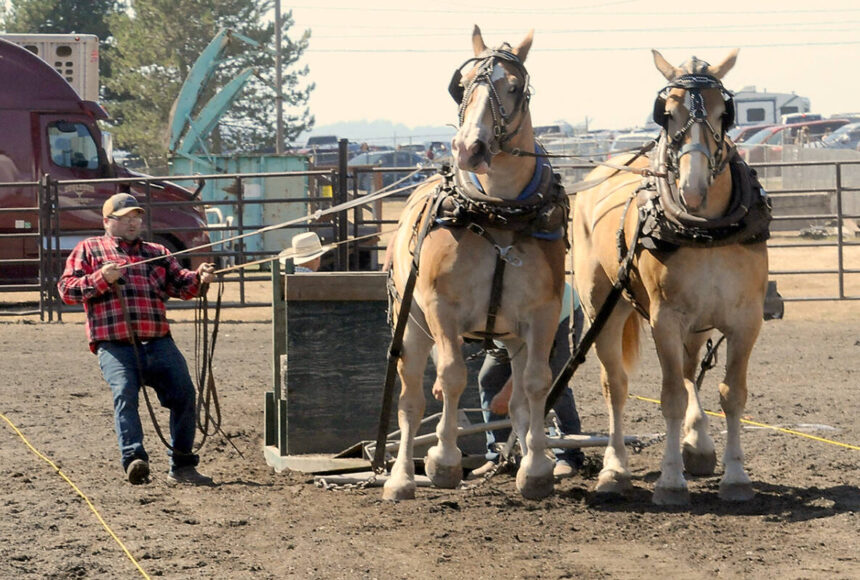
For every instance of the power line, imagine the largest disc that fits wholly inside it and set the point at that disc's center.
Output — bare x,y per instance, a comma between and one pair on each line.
586,49
562,11
784,27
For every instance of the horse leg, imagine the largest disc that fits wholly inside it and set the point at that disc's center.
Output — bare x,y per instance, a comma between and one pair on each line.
697,448
671,487
736,484
443,463
518,407
410,410
534,477
610,346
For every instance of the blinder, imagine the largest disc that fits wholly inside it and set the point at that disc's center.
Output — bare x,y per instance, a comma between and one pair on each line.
457,89
695,82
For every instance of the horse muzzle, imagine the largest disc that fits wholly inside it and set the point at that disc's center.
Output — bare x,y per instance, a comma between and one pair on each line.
474,157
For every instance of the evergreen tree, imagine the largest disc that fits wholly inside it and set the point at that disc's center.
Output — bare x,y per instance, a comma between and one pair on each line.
157,43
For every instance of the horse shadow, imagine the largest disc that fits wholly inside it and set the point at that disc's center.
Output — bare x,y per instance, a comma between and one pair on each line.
774,502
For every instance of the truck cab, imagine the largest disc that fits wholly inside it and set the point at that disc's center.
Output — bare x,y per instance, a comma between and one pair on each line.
49,130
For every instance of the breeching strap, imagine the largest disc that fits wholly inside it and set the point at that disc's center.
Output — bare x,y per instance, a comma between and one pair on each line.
394,350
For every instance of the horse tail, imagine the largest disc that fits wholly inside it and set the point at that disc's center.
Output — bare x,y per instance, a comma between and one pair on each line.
630,341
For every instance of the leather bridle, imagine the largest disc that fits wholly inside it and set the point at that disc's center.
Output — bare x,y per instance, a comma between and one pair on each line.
698,114
482,73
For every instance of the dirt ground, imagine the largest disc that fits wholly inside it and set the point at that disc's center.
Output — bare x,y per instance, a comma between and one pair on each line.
255,523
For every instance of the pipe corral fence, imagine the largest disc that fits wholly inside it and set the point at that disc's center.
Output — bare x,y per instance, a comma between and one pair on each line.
815,194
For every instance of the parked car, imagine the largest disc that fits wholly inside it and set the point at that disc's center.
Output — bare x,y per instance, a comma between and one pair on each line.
793,118
741,133
632,140
768,142
371,181
845,137
322,150
439,151
556,130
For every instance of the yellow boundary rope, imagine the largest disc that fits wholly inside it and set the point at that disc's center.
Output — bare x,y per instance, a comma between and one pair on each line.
79,492
781,429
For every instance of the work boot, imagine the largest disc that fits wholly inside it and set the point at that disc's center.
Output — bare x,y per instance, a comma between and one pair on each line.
481,471
564,469
188,475
137,472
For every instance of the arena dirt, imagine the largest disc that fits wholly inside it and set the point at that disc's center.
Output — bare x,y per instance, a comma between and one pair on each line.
255,523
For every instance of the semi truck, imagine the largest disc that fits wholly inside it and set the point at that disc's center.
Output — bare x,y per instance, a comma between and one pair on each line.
49,129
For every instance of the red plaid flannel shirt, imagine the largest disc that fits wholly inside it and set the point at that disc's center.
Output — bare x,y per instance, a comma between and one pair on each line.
147,287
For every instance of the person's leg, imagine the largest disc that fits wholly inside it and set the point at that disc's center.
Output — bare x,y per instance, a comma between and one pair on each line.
492,377
166,371
565,406
119,368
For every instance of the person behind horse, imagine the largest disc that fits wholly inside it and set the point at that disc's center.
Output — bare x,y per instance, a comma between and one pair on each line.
127,329
307,252
495,385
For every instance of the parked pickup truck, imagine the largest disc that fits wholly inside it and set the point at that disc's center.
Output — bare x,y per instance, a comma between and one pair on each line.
48,129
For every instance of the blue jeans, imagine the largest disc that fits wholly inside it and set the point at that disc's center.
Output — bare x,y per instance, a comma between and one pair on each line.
165,370
495,372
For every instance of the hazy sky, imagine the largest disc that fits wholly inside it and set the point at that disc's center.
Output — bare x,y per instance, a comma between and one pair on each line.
392,59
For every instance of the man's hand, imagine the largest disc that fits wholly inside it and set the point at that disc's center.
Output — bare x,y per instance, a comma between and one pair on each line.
206,273
499,404
111,272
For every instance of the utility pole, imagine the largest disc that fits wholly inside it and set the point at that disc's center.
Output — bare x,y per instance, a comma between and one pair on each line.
279,97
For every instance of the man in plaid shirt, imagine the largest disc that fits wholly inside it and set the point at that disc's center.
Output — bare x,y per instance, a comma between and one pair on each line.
102,273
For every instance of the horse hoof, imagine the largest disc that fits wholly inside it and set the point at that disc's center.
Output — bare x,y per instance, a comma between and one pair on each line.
444,476
736,491
696,463
397,491
535,487
671,496
612,483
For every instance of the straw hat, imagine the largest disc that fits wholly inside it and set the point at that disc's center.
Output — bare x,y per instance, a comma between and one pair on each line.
306,247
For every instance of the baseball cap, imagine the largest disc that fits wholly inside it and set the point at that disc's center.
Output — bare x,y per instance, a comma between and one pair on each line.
120,205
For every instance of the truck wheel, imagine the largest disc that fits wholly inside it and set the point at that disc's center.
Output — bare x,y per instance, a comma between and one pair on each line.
184,261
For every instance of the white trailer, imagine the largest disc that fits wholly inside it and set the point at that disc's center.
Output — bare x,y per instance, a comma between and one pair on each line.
754,107
74,56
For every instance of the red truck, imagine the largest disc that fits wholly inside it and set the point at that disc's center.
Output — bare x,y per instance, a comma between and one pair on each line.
46,128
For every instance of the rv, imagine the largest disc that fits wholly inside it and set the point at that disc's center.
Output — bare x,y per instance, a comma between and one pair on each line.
754,107
48,129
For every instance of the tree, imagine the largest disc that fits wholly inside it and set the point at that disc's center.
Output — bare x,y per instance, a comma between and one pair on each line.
157,43
63,17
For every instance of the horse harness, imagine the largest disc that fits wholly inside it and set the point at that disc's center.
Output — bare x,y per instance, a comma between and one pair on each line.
541,211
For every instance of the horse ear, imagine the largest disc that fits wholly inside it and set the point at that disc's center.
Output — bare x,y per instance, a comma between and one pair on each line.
522,51
669,71
478,41
720,70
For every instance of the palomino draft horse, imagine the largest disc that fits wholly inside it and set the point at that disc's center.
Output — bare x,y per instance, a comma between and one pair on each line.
490,240
698,226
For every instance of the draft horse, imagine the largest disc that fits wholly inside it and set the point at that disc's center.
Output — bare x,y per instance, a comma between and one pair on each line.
687,248
486,244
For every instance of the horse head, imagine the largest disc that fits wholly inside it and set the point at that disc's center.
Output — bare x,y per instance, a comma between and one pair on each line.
493,96
695,112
